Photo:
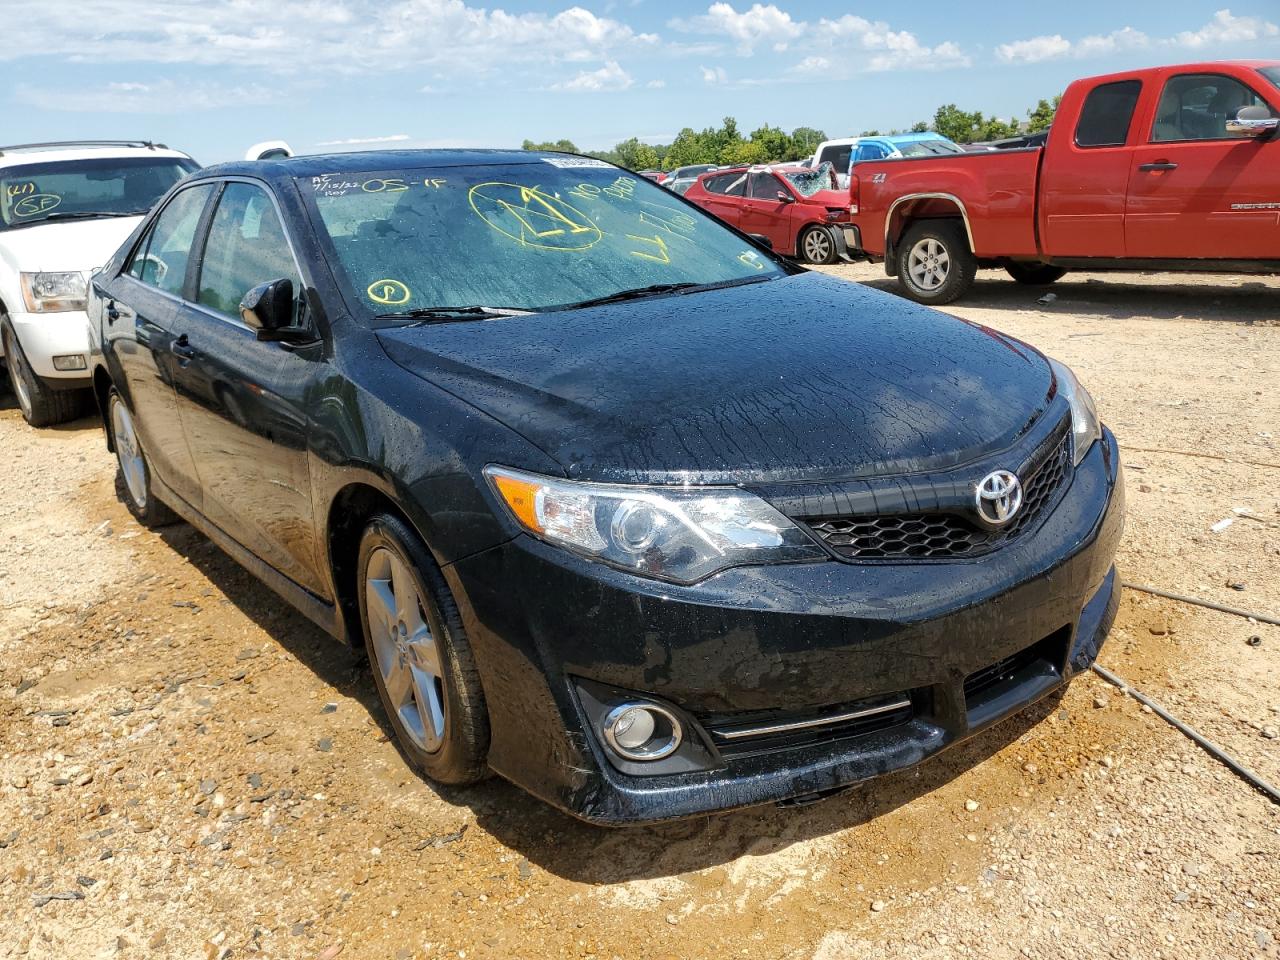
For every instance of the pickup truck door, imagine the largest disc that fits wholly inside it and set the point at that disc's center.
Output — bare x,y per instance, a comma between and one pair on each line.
1085,174
765,214
1197,191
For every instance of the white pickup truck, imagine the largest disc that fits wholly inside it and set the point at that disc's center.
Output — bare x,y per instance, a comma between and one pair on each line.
64,209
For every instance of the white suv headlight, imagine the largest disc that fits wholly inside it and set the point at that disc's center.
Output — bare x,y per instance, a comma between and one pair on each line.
54,292
680,534
1085,427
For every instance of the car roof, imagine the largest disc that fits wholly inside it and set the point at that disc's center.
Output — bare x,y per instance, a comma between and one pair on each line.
370,161
22,154
923,137
1202,66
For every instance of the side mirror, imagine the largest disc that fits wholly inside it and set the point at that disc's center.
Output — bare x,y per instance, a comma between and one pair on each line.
784,197
761,239
1253,122
268,309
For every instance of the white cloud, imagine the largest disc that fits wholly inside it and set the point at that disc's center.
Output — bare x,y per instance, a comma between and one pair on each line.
352,141
812,65
609,77
162,97
1222,31
1226,28
656,84
761,22
714,75
889,49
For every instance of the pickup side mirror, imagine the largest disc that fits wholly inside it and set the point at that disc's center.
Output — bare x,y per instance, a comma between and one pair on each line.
761,239
1253,122
268,310
784,197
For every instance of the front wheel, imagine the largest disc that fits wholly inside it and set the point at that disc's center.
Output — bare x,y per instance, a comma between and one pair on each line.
422,663
1034,274
935,264
816,246
41,405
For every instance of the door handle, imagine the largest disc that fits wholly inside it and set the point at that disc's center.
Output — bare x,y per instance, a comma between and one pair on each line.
1159,165
112,313
182,349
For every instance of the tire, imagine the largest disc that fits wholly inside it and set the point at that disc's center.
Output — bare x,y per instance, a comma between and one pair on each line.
41,405
935,264
133,471
816,246
422,663
1034,274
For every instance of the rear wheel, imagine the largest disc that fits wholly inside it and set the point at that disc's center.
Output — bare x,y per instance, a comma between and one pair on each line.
817,246
422,663
41,405
1034,274
935,264
135,473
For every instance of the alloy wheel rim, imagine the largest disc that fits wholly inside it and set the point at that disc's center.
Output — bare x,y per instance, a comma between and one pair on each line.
15,378
817,246
407,655
129,453
929,264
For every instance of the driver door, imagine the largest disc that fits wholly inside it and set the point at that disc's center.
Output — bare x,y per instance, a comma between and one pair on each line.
244,401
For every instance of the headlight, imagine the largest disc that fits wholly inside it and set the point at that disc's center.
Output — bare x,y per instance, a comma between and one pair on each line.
680,534
53,292
1085,427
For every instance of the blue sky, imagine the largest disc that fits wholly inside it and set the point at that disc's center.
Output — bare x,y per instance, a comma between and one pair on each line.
213,76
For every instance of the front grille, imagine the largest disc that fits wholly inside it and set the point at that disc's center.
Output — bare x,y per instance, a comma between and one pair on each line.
942,535
748,733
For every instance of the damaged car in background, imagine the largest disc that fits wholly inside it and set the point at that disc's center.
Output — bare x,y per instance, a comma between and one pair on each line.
621,505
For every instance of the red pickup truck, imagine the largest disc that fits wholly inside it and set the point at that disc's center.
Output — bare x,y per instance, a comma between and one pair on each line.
1172,168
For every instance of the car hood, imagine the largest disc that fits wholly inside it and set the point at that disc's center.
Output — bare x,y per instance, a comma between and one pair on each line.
801,378
82,245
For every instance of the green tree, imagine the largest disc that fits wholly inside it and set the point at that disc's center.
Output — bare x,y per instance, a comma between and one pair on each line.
562,146
635,155
1042,116
805,140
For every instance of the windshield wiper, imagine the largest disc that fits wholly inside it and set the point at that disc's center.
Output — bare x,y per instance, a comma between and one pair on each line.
426,315
658,289
91,214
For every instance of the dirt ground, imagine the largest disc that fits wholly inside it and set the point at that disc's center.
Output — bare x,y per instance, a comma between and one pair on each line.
191,770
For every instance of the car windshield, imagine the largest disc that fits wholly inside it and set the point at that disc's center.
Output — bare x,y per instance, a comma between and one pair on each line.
1272,74
553,232
86,189
808,182
928,148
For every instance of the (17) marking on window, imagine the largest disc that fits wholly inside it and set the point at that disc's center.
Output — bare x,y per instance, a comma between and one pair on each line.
388,292
532,217
20,189
661,256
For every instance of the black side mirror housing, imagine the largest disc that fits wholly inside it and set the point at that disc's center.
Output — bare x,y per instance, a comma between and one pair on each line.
268,310
784,197
761,239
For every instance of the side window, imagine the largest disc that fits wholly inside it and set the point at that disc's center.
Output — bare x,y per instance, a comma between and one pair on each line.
246,247
162,256
737,184
1198,106
868,151
838,157
1107,113
716,184
765,186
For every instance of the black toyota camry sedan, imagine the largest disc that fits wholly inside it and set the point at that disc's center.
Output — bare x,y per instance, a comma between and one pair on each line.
622,506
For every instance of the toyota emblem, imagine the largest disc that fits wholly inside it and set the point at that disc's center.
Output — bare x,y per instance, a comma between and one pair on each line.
999,497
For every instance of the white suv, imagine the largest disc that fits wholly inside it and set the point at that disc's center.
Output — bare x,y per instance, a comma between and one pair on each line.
64,209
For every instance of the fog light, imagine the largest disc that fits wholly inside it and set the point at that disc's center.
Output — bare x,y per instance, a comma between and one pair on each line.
642,731
71,361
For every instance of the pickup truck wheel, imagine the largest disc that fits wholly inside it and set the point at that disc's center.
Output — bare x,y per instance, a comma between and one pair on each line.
135,473
1034,274
41,405
422,663
816,246
935,264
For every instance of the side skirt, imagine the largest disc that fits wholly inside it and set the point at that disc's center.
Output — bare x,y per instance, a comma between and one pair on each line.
323,614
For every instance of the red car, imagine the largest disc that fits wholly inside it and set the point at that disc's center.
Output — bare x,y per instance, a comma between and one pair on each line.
1171,168
797,209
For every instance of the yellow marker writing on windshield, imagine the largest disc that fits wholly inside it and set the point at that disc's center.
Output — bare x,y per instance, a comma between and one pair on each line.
661,256
389,292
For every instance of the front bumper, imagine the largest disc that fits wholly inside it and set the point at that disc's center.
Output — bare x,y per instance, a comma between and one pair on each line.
783,638
44,336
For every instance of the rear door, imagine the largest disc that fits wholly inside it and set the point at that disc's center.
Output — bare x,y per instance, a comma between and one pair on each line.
725,195
244,401
142,304
1196,190
764,213
1085,172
